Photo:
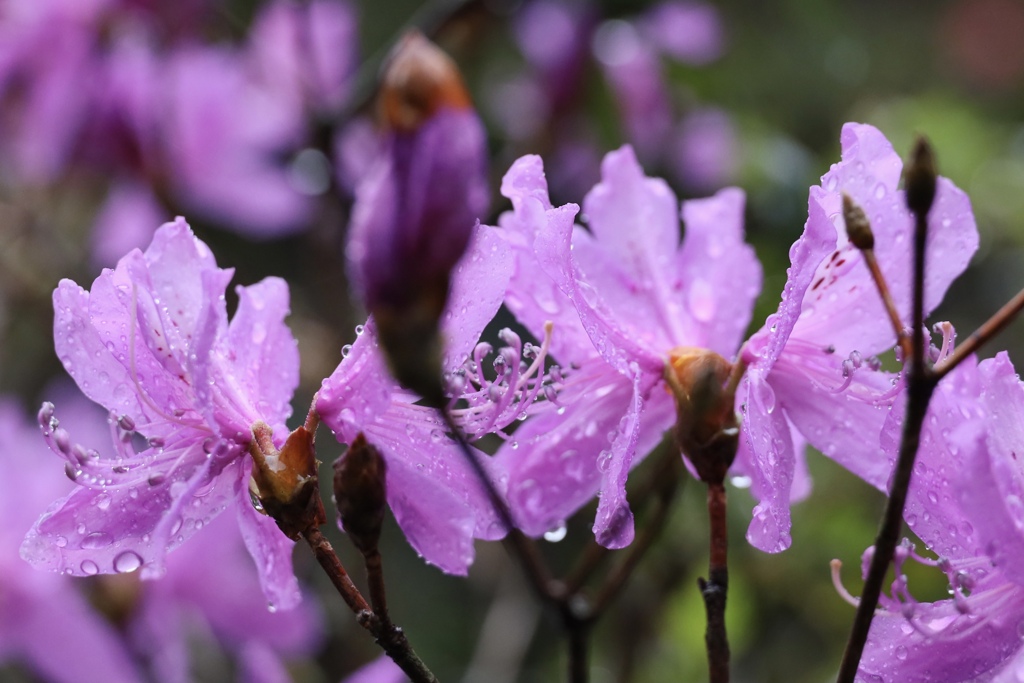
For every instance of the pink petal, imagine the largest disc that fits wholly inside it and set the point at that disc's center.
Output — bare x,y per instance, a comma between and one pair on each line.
533,297
478,286
123,529
962,647
262,353
613,526
271,550
843,307
992,489
722,273
770,450
554,468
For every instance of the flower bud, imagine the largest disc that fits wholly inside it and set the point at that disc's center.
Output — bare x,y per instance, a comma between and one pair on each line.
286,481
858,228
919,180
416,209
360,492
706,427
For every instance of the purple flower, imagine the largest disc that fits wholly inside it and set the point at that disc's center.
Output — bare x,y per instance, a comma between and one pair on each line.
40,608
813,365
690,32
223,134
633,69
151,343
622,295
306,51
965,504
211,586
432,491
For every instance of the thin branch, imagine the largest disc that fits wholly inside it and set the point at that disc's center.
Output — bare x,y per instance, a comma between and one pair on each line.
391,639
715,589
993,326
890,305
378,594
335,571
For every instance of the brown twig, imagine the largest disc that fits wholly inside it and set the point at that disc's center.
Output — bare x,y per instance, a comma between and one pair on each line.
328,559
715,588
858,229
890,305
390,638
993,326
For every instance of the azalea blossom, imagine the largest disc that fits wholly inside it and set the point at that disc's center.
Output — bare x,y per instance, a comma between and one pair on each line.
965,504
152,344
813,366
623,295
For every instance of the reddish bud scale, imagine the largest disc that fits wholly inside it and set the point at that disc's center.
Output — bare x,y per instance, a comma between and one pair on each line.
419,80
286,481
360,492
706,427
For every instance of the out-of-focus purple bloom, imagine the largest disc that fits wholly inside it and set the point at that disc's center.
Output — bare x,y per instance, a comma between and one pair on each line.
417,205
433,492
38,609
223,134
622,295
380,670
47,76
965,503
306,51
125,222
152,344
210,584
416,208
634,73
813,364
706,150
554,38
689,32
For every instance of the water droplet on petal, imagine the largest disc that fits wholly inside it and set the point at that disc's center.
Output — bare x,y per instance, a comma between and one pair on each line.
127,562
556,534
90,568
97,540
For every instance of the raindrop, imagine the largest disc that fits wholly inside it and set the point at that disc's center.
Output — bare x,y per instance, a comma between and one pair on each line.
90,568
96,540
127,562
556,534
742,482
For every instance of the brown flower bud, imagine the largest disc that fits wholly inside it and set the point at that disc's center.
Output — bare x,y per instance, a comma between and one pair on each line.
858,228
706,427
360,492
286,481
920,178
418,80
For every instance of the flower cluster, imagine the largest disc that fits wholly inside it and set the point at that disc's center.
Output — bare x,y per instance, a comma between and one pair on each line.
618,307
